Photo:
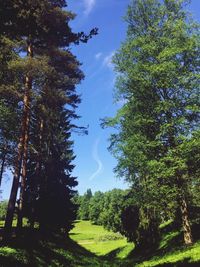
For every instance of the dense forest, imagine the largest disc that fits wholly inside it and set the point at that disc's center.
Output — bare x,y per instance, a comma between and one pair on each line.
156,134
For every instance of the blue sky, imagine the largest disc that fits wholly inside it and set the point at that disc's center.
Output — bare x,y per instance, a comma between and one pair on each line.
94,164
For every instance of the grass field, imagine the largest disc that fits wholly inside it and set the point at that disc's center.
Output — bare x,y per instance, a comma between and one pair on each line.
92,246
100,241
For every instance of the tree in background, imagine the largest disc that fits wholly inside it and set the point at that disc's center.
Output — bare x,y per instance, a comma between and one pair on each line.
96,206
158,80
110,215
84,202
103,208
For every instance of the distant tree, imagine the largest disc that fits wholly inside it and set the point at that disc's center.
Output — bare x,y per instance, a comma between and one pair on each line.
96,207
84,202
111,214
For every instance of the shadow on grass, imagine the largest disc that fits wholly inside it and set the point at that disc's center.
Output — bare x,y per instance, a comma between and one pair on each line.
185,263
56,250
113,254
171,244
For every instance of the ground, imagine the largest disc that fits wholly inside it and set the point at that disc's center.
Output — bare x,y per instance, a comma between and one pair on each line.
91,245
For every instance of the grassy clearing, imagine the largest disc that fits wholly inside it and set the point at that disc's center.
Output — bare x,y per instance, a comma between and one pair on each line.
100,241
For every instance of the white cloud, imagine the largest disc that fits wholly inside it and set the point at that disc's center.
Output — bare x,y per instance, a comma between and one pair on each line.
89,5
96,157
108,60
98,55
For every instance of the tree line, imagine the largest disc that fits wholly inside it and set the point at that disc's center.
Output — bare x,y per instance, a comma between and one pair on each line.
38,101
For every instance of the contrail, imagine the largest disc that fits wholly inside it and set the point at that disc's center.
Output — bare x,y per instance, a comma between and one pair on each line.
97,159
89,4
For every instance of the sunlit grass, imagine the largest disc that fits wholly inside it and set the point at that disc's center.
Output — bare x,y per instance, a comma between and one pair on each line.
186,255
100,241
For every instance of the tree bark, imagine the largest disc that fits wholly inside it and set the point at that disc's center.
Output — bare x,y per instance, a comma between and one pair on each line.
3,163
187,232
28,88
38,171
14,189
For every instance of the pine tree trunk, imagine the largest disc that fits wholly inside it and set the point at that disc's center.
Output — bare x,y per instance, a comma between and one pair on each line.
14,189
2,165
19,159
38,171
187,233
28,88
24,161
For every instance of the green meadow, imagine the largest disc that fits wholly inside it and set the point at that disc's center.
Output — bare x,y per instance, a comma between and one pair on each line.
99,241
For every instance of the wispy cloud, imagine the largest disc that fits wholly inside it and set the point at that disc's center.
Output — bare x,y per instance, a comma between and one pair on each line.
98,55
108,60
96,157
89,5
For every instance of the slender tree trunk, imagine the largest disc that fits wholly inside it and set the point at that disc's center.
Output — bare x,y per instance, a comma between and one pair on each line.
24,162
28,88
187,232
14,189
3,164
38,170
19,158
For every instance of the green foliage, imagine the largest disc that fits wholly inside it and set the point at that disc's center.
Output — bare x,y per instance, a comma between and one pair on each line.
111,213
9,108
158,80
96,208
83,202
3,208
115,236
102,208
